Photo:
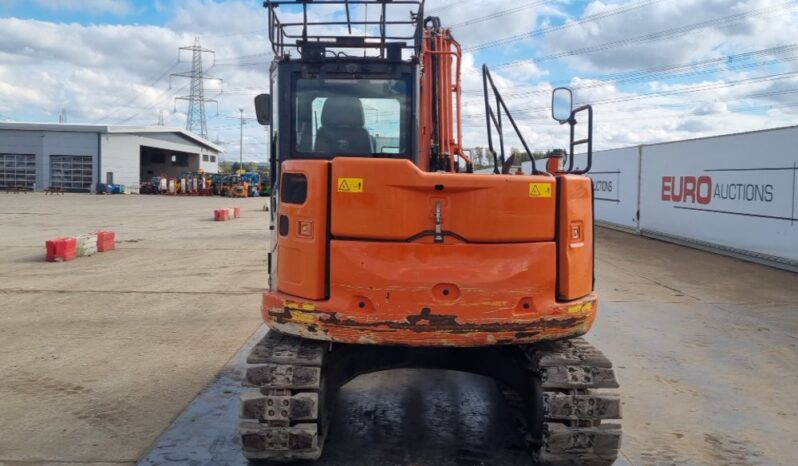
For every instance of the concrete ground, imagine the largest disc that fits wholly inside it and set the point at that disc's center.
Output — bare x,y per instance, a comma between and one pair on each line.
99,356
706,349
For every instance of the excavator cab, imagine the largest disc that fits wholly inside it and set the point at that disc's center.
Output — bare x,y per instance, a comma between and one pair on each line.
389,251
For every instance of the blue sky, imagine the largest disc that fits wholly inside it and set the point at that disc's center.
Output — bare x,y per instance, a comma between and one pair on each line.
109,61
140,12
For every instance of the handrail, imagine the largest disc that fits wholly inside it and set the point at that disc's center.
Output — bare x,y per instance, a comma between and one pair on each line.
589,140
496,119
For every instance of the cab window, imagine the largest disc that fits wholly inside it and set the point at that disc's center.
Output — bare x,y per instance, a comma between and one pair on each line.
351,117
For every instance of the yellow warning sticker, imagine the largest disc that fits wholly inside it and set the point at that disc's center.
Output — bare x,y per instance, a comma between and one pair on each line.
540,190
350,185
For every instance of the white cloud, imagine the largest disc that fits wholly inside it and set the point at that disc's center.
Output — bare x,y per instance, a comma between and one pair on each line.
769,27
115,7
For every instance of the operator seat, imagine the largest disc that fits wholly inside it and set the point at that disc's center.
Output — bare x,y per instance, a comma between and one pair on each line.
343,129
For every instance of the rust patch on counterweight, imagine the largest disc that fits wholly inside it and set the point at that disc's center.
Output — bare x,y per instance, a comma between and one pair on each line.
425,322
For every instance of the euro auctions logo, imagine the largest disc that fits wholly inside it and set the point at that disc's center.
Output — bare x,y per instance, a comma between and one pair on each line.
687,189
703,190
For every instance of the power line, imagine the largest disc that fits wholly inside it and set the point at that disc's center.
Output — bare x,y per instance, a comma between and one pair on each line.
659,71
623,99
499,14
256,32
447,6
467,22
601,117
243,57
702,113
699,88
153,103
546,30
151,83
654,36
672,71
237,61
264,32
518,95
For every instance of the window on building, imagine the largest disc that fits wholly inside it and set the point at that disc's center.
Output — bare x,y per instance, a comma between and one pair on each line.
180,160
204,157
213,159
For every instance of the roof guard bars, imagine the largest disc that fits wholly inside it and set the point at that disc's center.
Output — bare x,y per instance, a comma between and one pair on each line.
288,35
496,120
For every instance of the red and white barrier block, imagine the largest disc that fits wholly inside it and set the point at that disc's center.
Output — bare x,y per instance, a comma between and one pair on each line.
106,241
87,245
62,249
223,215
65,249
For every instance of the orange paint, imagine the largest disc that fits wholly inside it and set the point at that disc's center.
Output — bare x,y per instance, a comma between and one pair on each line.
302,250
576,237
450,132
383,251
399,201
430,294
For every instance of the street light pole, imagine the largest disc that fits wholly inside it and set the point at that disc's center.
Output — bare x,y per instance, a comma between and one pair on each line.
241,147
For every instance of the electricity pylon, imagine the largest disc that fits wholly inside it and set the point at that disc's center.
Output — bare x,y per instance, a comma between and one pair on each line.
196,99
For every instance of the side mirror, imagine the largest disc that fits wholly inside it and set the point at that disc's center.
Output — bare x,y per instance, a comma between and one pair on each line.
562,104
263,109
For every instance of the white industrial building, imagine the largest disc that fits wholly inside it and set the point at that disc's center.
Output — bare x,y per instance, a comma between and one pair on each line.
78,157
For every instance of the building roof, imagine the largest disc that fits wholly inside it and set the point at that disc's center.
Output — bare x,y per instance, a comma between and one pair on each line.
108,129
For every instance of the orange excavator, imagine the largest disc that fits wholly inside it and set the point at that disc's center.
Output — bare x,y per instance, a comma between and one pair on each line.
388,251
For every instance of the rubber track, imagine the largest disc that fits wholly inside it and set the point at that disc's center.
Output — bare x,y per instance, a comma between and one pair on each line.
280,414
573,412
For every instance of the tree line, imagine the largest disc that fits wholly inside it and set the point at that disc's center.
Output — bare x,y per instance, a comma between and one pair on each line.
483,159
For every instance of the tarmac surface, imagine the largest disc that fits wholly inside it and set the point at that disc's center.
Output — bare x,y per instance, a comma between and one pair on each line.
125,357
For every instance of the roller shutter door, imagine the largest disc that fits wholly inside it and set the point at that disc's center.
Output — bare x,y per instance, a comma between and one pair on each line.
17,170
73,173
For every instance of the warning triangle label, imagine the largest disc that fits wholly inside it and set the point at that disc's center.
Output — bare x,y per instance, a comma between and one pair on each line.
350,185
540,190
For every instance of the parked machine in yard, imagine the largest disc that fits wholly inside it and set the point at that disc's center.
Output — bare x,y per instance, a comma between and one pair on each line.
389,252
253,183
